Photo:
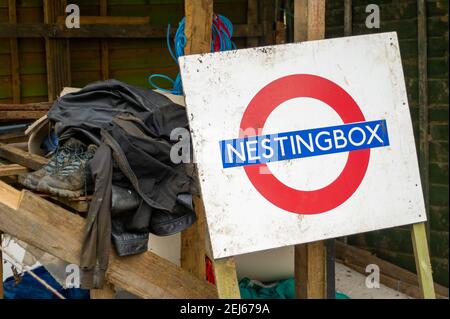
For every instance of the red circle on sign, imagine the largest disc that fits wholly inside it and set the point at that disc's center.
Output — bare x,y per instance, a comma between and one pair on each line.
287,198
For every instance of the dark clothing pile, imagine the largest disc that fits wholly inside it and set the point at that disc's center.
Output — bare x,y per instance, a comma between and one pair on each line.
132,128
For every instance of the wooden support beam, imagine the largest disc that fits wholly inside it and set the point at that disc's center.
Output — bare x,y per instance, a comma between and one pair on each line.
16,137
268,21
348,18
311,258
310,270
107,19
252,18
225,277
424,148
104,43
21,115
309,20
12,169
18,156
56,52
44,106
13,44
21,146
55,30
198,26
423,263
58,232
198,34
193,243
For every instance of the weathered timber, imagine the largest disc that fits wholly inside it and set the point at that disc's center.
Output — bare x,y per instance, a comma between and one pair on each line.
21,157
39,106
39,30
12,169
53,229
21,115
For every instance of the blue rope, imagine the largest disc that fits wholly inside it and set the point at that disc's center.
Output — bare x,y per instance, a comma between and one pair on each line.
222,31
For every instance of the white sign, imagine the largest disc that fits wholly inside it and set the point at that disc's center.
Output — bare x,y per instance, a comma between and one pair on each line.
302,142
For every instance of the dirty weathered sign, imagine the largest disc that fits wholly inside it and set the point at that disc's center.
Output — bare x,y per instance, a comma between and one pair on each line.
302,142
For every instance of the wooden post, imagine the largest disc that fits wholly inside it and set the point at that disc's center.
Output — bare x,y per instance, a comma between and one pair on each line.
309,20
310,259
193,243
198,34
198,26
310,270
423,103
348,15
268,21
348,29
104,43
15,70
252,19
56,51
226,280
423,263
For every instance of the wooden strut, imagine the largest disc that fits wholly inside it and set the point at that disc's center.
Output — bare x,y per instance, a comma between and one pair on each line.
23,107
252,18
56,51
13,43
423,263
55,230
123,31
348,15
21,157
311,258
104,43
424,149
198,35
12,169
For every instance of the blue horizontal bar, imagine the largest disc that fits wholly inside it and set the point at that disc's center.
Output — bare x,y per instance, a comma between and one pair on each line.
304,143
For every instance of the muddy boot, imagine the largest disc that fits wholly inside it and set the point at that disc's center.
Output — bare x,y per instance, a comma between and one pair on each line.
61,155
72,179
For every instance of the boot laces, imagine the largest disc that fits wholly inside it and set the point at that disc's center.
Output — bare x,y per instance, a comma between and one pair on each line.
76,161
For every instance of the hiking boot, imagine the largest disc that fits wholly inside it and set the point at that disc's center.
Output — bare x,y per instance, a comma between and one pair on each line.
58,159
72,178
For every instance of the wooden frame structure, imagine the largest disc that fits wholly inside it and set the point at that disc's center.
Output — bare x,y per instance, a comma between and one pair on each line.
103,27
58,232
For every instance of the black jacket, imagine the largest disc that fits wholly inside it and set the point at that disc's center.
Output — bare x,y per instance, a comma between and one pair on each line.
135,124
